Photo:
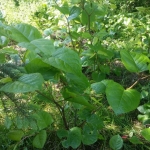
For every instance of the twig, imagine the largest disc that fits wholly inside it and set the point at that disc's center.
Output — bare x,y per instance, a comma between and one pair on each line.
138,81
59,107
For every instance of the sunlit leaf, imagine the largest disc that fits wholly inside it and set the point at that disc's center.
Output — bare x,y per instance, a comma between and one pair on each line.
74,13
134,62
121,100
23,33
146,133
26,83
66,60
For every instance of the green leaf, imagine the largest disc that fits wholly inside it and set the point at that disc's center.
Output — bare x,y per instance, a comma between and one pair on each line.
66,60
26,83
5,80
84,17
61,133
103,53
98,76
95,121
86,35
40,139
89,136
116,142
9,50
95,40
3,41
121,100
44,47
73,139
76,98
79,83
7,122
135,140
18,122
100,87
63,9
23,33
15,135
35,65
47,71
43,119
146,133
74,13
2,58
134,62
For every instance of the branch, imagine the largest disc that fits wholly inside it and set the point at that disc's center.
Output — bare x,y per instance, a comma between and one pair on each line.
138,81
59,107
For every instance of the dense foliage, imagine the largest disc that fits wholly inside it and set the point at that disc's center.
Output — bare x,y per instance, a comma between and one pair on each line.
80,77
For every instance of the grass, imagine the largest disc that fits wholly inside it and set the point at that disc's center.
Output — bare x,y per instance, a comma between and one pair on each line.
22,13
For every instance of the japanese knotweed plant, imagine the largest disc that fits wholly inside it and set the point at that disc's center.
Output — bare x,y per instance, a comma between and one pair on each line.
44,64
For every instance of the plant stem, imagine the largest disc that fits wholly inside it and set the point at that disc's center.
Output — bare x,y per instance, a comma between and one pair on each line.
138,81
59,107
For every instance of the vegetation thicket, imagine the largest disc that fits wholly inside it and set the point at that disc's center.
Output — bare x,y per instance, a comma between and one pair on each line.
74,74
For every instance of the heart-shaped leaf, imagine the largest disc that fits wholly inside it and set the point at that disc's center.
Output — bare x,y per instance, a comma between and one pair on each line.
43,119
73,139
134,62
116,142
89,136
121,100
40,139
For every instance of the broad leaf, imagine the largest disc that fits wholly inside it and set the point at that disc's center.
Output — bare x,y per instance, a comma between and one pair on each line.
121,100
5,80
63,9
35,65
73,139
95,121
66,60
3,41
47,71
2,58
100,87
7,122
43,119
26,83
134,62
116,142
62,133
42,46
146,133
79,83
23,33
15,135
135,140
89,136
74,13
40,139
76,98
